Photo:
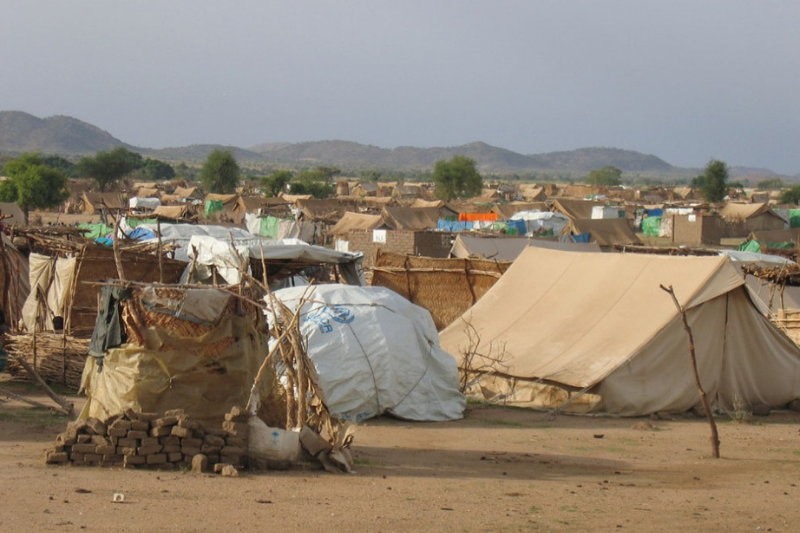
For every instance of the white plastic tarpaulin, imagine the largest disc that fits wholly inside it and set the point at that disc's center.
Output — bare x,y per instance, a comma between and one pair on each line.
376,352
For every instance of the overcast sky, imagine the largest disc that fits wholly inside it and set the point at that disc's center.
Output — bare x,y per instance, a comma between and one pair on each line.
686,80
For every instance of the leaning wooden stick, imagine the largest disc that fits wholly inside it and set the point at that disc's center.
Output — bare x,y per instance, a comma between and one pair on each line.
703,398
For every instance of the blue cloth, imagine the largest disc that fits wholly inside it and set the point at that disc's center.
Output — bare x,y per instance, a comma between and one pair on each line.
453,225
582,237
519,225
141,234
654,212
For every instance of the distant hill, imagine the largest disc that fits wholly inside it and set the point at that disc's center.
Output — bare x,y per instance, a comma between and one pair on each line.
67,136
22,132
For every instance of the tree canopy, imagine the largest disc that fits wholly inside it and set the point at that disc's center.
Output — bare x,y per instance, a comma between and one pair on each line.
457,177
314,182
107,168
715,181
220,172
158,170
32,184
275,182
790,196
607,176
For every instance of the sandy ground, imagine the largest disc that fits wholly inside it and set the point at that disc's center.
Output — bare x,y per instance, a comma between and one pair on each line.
499,469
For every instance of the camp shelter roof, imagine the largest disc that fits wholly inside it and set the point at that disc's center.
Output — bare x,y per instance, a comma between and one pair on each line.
174,212
107,200
421,202
605,232
567,246
532,192
603,294
147,192
602,321
411,218
778,235
506,211
494,247
181,234
187,192
575,209
356,222
228,200
295,197
736,211
14,213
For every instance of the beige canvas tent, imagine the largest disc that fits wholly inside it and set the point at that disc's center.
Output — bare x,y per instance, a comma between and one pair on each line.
597,330
605,232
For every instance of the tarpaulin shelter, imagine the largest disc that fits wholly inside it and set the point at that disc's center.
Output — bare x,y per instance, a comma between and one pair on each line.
598,331
356,222
175,348
605,232
751,217
94,202
489,247
374,353
575,209
411,218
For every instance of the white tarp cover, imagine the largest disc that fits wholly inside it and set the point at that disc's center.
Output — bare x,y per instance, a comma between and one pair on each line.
376,352
537,221
601,322
181,234
146,203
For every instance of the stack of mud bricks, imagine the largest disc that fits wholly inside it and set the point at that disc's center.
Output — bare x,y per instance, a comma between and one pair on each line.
132,439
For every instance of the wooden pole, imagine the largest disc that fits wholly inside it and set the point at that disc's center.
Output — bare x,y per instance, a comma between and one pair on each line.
32,402
701,392
67,407
117,258
159,252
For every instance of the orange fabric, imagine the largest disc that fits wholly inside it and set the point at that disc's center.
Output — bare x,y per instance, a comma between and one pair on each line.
476,217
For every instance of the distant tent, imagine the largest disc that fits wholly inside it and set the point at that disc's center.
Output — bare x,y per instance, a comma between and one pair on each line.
496,248
12,215
596,330
605,232
411,218
356,222
575,209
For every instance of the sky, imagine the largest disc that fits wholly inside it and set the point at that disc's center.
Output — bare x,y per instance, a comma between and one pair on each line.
684,80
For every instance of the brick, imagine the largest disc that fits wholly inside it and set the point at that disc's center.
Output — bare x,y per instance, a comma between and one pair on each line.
150,441
140,425
171,449
56,457
83,438
121,424
75,428
126,451
199,463
174,457
146,417
218,432
214,440
194,443
236,441
181,432
84,448
134,460
93,458
231,459
105,450
137,434
79,463
229,471
75,456
188,424
169,441
96,426
117,432
148,450
128,443
157,459
113,458
207,448
66,440
161,431
213,458
166,421
232,450
177,413
100,441
189,451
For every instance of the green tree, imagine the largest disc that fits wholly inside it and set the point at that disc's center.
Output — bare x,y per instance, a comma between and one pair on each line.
107,168
275,182
313,182
220,172
32,184
457,177
790,196
607,176
57,162
774,184
371,175
715,181
158,170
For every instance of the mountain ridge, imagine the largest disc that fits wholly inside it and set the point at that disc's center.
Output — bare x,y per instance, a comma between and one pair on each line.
68,136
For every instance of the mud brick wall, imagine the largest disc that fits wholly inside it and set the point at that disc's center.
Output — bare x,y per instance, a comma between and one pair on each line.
164,441
404,242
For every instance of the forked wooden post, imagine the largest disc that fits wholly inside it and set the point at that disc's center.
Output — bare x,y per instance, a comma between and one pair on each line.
703,397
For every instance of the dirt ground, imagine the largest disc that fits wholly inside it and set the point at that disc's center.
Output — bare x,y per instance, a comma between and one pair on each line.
498,469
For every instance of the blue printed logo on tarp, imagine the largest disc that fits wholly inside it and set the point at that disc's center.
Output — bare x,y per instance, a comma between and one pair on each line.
322,318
